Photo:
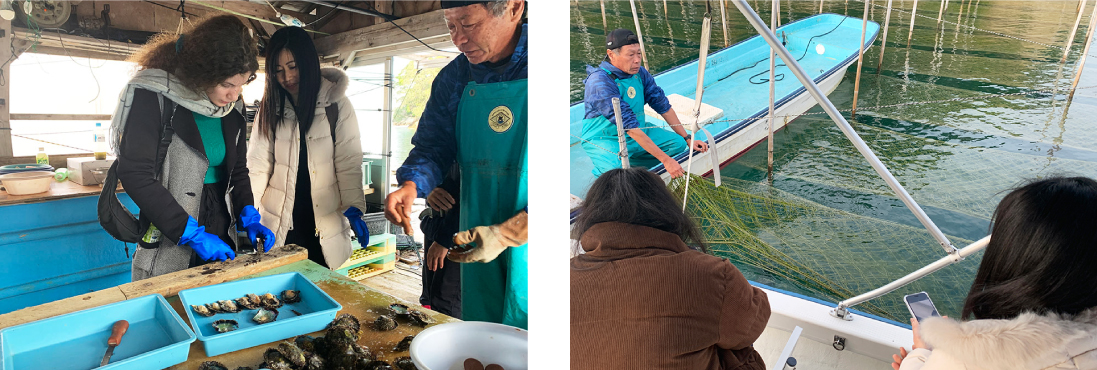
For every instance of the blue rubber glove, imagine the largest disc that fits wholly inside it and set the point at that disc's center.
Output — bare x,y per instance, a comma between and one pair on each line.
249,217
361,231
208,246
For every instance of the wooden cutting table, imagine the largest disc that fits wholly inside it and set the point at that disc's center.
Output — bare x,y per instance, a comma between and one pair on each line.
357,299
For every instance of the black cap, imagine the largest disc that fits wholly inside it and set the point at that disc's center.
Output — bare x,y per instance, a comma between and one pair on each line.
457,4
620,37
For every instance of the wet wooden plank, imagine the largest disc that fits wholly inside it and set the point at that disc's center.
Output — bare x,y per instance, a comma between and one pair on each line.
215,273
357,299
61,307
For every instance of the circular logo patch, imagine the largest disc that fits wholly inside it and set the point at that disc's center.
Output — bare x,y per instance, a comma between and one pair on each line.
500,119
631,92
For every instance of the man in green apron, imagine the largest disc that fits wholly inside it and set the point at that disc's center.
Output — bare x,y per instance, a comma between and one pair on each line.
476,116
621,76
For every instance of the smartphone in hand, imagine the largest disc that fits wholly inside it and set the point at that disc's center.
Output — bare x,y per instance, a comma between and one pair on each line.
920,306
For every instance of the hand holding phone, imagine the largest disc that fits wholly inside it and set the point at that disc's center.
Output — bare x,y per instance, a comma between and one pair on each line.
920,306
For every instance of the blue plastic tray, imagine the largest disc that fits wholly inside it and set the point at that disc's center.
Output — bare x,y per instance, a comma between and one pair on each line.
316,309
157,338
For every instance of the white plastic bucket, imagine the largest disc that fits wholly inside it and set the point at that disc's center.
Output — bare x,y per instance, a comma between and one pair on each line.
31,182
447,346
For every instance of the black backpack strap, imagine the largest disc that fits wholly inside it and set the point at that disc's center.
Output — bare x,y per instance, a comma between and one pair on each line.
333,116
113,216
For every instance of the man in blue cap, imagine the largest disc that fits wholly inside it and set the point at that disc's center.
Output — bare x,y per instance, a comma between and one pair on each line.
476,117
621,76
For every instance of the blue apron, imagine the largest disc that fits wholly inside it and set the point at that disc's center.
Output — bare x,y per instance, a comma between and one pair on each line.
491,137
600,134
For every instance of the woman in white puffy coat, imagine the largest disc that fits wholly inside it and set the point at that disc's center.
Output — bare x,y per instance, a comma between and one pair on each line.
1033,304
306,177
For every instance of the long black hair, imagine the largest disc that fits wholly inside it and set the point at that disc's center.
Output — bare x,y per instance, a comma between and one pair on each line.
1042,255
298,42
638,197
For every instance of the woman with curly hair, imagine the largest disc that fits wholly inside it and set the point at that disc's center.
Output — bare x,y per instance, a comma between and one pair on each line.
179,133
306,154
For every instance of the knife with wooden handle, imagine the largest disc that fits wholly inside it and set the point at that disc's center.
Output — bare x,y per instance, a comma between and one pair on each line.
116,333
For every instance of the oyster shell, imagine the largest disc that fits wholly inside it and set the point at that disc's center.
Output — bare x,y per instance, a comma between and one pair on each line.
420,318
384,323
228,306
275,360
212,365
244,368
379,365
341,355
404,344
202,310
313,362
346,320
246,303
306,343
292,353
214,307
405,363
265,315
225,326
399,309
340,335
291,296
269,301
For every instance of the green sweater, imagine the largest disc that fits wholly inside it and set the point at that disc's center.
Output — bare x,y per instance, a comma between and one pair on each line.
214,142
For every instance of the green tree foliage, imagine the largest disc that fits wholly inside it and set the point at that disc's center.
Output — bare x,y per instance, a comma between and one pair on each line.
413,89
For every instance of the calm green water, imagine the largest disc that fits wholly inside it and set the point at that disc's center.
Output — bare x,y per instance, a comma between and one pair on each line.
956,158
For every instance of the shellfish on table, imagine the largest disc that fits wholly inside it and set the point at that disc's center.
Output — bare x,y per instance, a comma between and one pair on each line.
225,326
265,315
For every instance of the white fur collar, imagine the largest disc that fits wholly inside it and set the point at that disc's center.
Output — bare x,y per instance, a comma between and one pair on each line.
1029,341
333,86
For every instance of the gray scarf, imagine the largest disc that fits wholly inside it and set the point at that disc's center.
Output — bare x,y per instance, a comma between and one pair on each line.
161,82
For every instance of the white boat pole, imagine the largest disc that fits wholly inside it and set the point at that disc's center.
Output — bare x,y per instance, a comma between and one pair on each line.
913,16
860,59
884,41
772,91
841,312
724,19
639,35
1073,30
1085,51
623,153
605,26
821,6
664,8
844,125
706,34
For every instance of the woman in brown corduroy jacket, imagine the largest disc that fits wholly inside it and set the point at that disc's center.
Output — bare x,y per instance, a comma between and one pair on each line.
642,299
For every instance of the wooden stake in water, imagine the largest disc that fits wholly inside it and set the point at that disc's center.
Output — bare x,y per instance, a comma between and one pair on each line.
1085,51
724,18
605,26
639,35
941,12
1073,30
884,41
772,91
820,7
860,58
913,16
664,8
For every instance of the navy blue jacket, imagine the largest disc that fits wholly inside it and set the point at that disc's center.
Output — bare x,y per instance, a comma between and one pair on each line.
601,88
436,141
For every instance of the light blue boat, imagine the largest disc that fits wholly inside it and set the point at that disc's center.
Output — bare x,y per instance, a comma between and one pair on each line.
736,82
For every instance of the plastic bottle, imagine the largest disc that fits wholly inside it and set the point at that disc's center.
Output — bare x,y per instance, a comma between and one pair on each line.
100,142
42,158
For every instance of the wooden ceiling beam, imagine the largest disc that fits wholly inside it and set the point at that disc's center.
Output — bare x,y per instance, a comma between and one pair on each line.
385,38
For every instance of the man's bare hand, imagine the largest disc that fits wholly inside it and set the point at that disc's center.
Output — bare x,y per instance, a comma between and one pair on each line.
673,168
398,206
698,145
440,199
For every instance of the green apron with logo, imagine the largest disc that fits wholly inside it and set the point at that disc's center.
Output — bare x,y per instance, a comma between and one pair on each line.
491,141
600,134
